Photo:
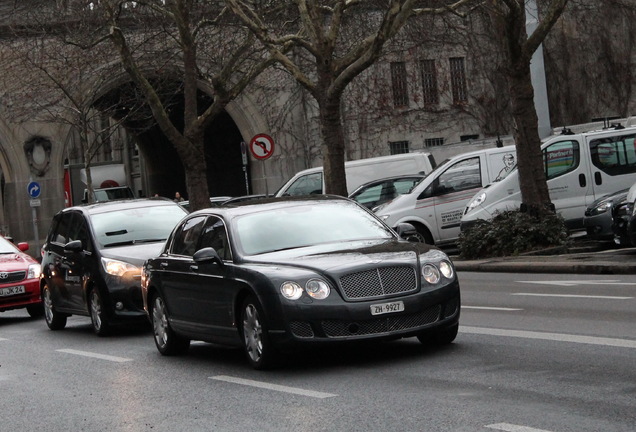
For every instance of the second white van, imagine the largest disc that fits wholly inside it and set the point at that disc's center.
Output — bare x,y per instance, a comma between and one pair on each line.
579,169
311,181
435,205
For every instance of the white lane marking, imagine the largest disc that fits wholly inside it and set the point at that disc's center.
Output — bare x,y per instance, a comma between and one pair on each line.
514,428
578,282
491,308
560,337
573,296
95,355
1,339
274,387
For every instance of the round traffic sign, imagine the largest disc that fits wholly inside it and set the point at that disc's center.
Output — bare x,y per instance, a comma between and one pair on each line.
262,146
33,189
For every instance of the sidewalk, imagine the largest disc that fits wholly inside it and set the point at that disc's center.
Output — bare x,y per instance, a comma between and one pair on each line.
583,260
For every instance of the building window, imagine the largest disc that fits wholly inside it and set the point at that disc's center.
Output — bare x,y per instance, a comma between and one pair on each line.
399,147
429,82
398,79
458,80
433,142
468,137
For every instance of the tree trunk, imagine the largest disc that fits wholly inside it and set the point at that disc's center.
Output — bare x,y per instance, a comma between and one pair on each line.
333,148
532,181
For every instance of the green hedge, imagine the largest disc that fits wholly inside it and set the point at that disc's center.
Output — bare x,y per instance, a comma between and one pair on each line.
512,233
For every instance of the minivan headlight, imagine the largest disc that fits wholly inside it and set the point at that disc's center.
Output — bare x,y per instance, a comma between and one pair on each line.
476,201
118,268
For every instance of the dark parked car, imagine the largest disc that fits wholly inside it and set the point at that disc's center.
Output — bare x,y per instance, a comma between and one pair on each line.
19,279
275,273
381,191
624,220
598,219
92,257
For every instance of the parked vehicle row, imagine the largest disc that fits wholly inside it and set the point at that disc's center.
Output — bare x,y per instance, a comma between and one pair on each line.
19,279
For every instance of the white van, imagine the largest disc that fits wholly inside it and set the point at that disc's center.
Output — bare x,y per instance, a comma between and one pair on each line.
435,205
579,169
310,181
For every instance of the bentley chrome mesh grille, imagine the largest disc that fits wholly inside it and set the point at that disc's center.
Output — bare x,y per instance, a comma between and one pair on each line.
378,282
385,324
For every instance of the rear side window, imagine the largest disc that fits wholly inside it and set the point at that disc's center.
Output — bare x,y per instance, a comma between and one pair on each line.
560,158
463,175
309,184
614,155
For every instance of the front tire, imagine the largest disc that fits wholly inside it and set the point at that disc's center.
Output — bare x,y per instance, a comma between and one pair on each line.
101,326
54,320
167,341
35,310
441,337
260,352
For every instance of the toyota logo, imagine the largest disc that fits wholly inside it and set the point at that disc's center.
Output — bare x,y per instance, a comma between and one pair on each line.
4,275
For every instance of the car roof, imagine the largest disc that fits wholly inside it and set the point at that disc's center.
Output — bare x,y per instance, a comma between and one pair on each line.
108,206
257,205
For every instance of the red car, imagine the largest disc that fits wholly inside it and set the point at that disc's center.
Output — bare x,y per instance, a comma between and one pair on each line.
19,279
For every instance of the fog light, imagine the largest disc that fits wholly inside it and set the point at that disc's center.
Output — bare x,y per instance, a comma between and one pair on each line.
119,306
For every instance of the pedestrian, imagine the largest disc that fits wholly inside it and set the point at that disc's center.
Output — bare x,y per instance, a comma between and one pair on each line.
178,197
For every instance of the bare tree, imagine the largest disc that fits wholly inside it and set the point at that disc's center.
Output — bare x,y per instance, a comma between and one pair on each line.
198,37
336,41
509,20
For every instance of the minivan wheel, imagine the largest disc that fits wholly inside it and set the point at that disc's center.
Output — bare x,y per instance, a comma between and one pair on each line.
167,341
260,352
54,320
98,315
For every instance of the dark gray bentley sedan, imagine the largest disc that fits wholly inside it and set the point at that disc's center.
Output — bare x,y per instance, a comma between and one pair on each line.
274,273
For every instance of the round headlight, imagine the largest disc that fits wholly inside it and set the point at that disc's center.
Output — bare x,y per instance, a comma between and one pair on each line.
430,273
447,269
317,289
291,290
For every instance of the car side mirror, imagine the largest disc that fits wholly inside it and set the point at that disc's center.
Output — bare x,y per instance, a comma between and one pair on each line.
74,246
407,232
207,255
23,246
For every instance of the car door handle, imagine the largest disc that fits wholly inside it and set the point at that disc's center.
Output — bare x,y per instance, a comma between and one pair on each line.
598,179
194,267
163,264
582,180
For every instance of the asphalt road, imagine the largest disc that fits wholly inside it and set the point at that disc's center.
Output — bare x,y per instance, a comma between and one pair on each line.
535,353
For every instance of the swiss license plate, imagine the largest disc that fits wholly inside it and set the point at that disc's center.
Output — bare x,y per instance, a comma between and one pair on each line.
9,291
383,308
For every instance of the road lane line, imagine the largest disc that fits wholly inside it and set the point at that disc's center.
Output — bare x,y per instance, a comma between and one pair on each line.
1,339
514,428
578,282
573,296
560,337
95,355
491,308
274,387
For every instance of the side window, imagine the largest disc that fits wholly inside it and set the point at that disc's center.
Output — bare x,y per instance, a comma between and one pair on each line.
306,185
560,158
463,175
214,235
79,231
61,234
369,196
186,239
614,155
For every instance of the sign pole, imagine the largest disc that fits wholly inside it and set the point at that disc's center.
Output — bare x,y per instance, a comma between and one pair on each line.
244,156
262,147
33,189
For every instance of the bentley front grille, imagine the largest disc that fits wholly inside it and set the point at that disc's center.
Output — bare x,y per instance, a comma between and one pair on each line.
379,282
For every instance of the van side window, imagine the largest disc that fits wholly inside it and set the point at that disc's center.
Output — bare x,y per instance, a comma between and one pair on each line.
309,184
560,158
614,155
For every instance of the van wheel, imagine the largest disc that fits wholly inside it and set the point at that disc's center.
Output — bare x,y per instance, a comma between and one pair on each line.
423,235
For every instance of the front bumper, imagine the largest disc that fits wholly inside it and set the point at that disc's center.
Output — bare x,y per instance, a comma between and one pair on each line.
317,323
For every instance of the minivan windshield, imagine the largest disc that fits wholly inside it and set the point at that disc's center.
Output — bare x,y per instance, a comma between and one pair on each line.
129,226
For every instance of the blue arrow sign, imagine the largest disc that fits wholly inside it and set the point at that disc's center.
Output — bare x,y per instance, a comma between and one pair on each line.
34,189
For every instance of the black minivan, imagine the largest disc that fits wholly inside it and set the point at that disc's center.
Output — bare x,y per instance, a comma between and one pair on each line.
92,258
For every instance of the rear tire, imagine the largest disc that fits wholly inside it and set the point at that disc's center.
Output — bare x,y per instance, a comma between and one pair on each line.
167,341
54,320
259,350
101,327
423,235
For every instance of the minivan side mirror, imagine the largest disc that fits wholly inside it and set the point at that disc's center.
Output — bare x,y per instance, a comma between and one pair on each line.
74,246
207,255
